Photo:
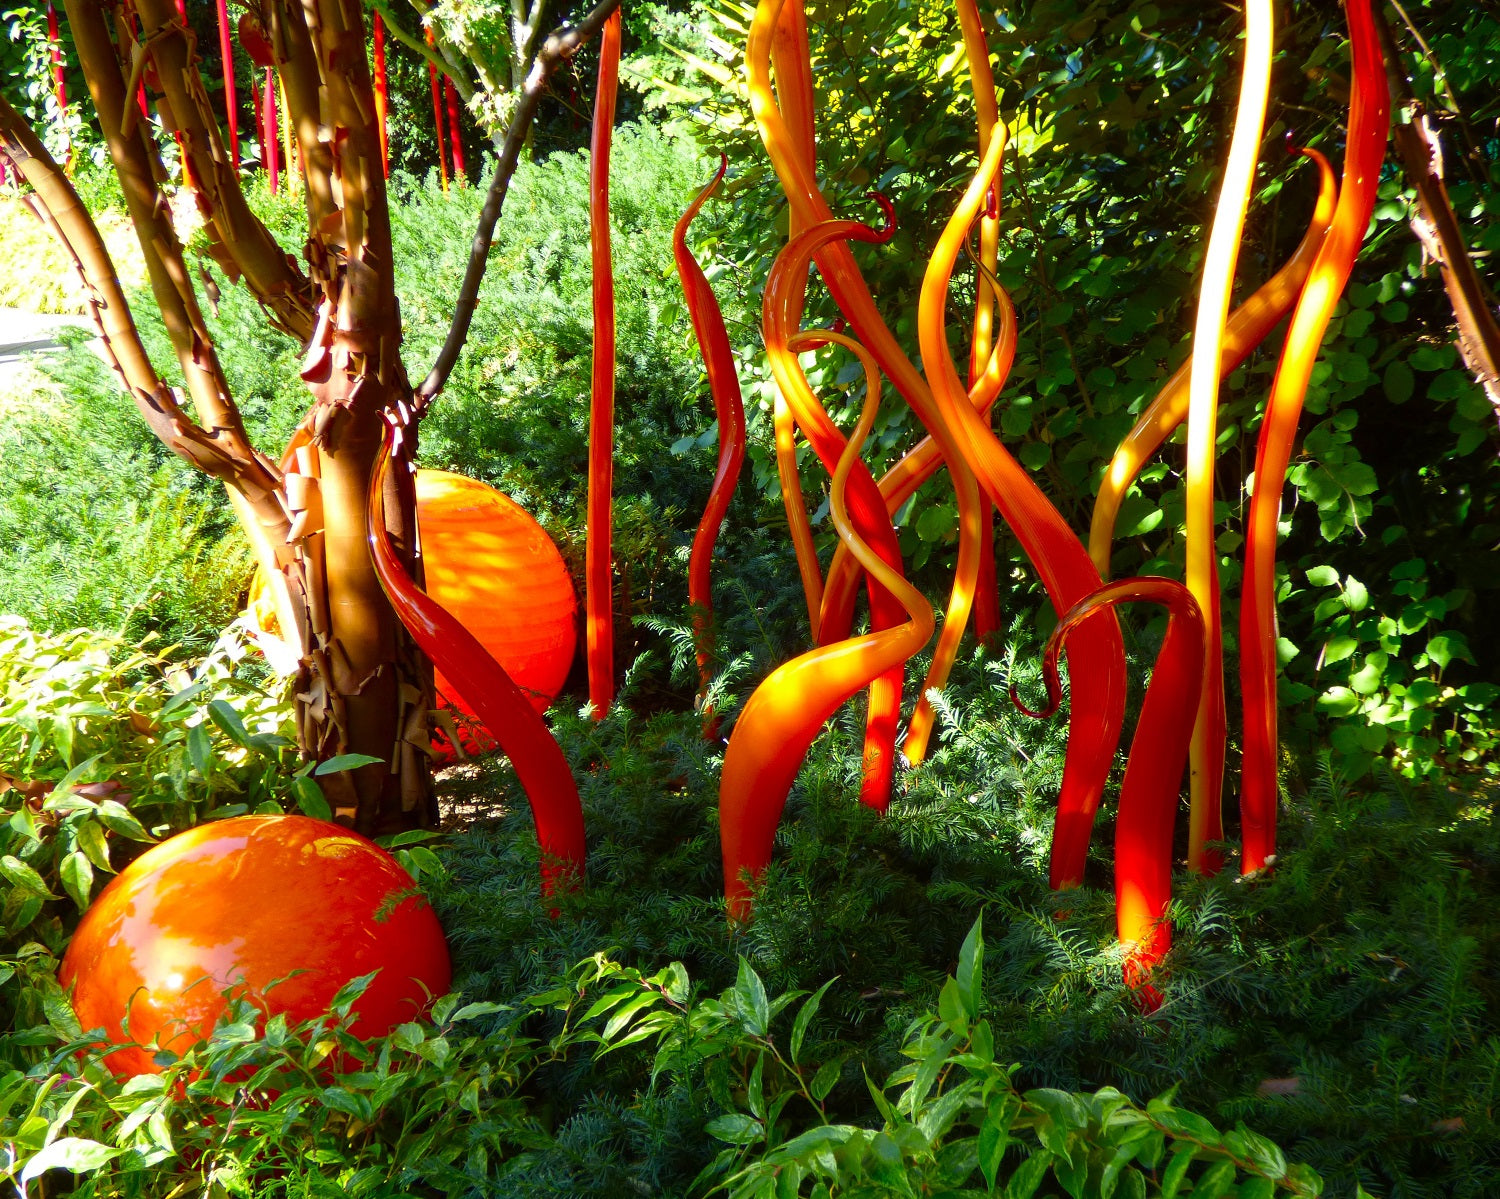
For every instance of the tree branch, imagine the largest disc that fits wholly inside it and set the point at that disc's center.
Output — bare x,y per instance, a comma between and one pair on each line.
59,208
1437,228
268,270
297,67
560,45
171,285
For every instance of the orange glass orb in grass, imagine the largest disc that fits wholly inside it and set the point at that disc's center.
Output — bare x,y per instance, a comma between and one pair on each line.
494,568
236,905
488,562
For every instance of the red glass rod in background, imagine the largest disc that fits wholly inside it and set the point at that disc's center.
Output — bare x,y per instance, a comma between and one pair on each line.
598,560
437,114
382,98
231,106
1369,127
54,41
460,174
271,131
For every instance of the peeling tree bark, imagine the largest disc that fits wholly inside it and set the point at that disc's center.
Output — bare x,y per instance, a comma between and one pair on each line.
362,686
1436,226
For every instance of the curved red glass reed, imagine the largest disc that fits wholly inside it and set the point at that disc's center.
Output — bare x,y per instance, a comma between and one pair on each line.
1151,791
1369,126
1201,569
792,64
920,463
599,629
724,385
437,114
987,109
783,716
1249,325
781,305
1096,664
843,278
486,687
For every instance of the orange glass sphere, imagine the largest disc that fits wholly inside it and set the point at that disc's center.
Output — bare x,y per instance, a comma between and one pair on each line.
490,564
238,904
495,569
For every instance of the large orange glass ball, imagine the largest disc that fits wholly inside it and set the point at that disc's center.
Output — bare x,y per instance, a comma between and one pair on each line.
238,904
495,569
490,564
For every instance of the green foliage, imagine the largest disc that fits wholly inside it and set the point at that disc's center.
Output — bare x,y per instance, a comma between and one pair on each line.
957,1124
97,527
119,747
443,1106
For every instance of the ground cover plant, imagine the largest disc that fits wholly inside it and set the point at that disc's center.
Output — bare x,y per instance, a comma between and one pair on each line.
863,1034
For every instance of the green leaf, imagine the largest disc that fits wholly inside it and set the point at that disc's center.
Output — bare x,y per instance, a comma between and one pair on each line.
90,836
1035,454
345,762
824,1080
950,1008
77,878
1443,648
1028,1176
970,976
116,817
625,1014
994,1136
200,749
936,522
750,999
1322,576
77,1154
804,1018
74,776
1172,1177
735,1128
228,721
410,837
24,877
310,798
1217,1180
678,986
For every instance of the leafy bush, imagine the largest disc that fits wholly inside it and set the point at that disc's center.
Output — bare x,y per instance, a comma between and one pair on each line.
105,747
36,274
443,1107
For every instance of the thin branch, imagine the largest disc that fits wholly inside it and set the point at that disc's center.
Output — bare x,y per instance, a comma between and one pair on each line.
1474,161
560,46
57,205
1436,226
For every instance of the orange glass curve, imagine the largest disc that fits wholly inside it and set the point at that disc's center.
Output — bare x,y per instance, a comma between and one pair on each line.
785,713
1249,325
1205,819
599,626
1369,127
1096,662
781,304
729,408
484,685
1152,786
